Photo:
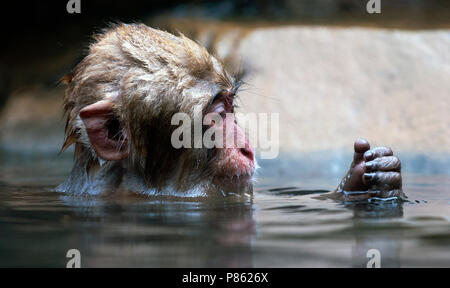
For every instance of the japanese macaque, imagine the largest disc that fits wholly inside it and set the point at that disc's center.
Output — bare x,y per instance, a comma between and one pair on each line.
119,104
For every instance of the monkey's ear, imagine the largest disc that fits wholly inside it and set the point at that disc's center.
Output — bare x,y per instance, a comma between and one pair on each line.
105,133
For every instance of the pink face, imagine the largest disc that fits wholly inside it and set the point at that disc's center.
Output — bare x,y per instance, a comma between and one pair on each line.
235,160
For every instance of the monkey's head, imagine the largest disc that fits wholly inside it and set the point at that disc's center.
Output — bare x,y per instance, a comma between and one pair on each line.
122,97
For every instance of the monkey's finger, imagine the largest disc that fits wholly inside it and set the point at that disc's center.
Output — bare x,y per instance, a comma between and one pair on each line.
387,163
377,152
360,146
387,180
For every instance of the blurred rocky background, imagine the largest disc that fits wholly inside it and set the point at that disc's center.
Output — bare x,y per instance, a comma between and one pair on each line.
333,71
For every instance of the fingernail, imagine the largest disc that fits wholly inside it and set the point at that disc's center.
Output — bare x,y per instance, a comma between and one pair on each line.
368,166
368,176
368,155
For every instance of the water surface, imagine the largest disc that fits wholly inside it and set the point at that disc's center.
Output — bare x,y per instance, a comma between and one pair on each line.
283,225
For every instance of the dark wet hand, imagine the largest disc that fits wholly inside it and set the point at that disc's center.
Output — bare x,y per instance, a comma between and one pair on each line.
373,173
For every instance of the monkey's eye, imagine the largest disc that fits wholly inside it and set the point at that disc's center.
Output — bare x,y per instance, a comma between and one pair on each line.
220,109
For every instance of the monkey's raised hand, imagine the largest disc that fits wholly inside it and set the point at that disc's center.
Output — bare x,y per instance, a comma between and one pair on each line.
373,173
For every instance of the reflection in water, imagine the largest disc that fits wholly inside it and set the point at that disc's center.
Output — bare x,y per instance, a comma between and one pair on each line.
367,238
277,227
167,233
364,231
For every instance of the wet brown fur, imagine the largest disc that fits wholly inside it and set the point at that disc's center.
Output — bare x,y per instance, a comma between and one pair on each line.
149,75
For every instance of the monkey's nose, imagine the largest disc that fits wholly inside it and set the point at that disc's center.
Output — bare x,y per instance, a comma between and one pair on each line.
247,152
